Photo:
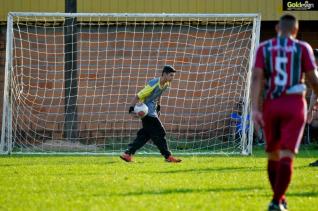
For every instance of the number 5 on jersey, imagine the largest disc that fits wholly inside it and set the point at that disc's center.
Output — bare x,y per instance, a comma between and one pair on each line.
281,77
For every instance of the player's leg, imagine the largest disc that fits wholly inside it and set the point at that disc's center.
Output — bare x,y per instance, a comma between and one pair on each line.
273,170
293,120
161,143
272,167
314,164
281,178
313,127
272,136
285,168
284,174
157,134
140,141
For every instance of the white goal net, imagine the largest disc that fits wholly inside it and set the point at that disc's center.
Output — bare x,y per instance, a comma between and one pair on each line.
70,79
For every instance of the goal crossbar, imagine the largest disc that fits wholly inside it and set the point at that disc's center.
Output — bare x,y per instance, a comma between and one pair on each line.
136,15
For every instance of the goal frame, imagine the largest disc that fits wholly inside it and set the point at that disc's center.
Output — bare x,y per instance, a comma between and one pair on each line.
6,142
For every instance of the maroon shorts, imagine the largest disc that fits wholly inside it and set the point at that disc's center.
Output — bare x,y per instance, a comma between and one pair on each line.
285,119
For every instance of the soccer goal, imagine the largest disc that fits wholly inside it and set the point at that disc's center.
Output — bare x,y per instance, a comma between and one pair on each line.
70,78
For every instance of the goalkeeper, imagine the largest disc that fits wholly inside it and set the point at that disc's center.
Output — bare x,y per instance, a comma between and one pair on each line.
151,125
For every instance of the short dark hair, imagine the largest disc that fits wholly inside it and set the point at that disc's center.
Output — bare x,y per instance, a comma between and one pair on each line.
168,69
316,52
287,22
289,17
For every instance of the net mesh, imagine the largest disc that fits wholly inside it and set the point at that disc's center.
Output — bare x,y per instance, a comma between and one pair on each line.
116,57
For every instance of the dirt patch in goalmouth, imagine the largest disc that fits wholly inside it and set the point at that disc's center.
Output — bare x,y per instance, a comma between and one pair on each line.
65,146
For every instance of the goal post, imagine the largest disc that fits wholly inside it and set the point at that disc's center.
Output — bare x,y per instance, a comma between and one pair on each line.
205,111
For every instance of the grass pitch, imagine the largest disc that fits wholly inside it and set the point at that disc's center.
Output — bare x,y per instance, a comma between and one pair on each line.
108,183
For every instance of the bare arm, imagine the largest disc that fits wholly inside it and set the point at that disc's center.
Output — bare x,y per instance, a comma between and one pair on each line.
256,92
313,100
310,113
312,78
256,88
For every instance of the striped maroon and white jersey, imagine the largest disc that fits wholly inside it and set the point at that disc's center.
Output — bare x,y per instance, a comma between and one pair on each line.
283,61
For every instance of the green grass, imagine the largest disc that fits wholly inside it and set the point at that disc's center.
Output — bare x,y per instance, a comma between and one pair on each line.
107,183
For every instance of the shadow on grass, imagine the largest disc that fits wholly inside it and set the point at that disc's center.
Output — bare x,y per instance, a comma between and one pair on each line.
302,167
313,193
197,170
55,163
304,194
188,191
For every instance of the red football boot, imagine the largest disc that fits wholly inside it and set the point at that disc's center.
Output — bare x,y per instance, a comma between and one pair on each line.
126,157
172,159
